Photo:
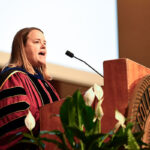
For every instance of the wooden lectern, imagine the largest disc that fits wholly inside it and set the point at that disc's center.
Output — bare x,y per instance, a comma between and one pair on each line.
121,78
126,88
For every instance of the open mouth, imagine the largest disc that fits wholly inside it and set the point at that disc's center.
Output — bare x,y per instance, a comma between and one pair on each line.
42,53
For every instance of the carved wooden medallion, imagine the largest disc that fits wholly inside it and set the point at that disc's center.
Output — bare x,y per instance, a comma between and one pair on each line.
139,108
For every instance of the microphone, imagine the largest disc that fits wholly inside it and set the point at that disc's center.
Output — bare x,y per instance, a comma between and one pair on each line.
70,54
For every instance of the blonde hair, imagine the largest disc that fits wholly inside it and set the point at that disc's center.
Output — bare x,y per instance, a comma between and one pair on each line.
18,56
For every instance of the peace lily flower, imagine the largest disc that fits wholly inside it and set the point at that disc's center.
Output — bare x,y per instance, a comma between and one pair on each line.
90,94
29,121
98,91
120,118
99,111
89,97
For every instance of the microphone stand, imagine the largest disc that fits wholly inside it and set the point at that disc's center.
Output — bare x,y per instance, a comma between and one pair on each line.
88,65
70,54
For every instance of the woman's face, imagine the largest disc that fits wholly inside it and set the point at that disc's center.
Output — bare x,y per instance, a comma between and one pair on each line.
35,48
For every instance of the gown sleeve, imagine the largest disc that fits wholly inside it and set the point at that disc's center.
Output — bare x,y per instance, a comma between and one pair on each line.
14,106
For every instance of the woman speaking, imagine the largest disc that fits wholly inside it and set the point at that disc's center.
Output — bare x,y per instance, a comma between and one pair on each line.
24,86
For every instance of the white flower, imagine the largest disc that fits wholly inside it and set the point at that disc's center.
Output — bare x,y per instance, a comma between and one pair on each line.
89,96
98,91
120,118
99,111
29,121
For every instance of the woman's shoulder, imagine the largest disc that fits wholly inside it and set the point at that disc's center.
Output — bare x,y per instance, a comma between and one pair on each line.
7,73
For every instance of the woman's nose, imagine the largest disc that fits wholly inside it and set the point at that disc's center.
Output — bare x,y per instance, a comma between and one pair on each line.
43,45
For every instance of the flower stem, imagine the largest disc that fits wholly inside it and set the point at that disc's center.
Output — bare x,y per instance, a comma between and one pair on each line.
82,145
31,133
99,127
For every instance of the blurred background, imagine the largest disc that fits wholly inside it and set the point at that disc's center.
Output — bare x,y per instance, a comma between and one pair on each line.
94,30
86,27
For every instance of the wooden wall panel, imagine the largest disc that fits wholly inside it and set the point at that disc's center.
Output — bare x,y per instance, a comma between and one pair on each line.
134,30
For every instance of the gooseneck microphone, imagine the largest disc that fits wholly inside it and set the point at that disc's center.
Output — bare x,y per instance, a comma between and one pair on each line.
70,54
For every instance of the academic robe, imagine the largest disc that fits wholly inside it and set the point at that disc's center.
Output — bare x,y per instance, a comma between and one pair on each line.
19,93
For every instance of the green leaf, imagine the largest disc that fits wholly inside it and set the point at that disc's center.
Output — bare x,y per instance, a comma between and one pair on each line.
79,104
53,132
88,116
78,133
94,129
28,135
118,139
96,140
28,141
71,114
34,142
59,145
132,143
129,126
67,112
58,133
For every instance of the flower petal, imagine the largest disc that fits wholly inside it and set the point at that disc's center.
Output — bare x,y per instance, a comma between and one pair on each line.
89,97
120,118
99,111
98,91
29,121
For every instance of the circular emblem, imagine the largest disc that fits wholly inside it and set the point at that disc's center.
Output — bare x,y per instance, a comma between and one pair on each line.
139,108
